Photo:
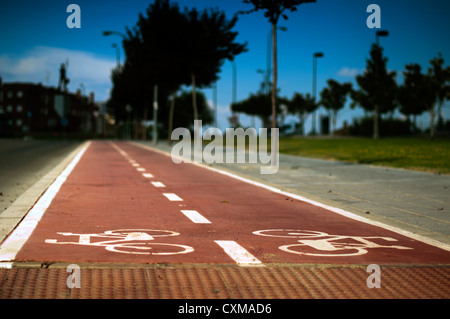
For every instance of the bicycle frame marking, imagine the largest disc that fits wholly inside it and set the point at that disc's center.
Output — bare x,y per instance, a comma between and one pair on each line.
327,245
128,241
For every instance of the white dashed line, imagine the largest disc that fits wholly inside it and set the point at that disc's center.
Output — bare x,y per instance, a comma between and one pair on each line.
158,184
238,253
173,197
195,217
6,265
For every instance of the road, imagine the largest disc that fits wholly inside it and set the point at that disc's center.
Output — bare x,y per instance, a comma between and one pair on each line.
121,203
23,163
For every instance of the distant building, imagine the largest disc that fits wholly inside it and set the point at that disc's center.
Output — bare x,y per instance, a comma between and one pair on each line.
33,109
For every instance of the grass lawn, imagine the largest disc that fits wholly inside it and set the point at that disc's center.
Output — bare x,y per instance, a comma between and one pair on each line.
411,153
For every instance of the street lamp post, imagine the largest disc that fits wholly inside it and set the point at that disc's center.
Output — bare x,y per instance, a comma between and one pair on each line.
233,63
381,33
128,108
234,92
315,56
127,129
215,103
378,34
155,92
114,45
108,33
155,114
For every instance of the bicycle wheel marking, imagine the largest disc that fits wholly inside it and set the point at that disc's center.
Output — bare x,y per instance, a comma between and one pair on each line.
128,241
315,243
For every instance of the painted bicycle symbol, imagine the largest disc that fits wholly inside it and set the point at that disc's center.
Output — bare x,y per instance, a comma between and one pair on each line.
128,241
316,243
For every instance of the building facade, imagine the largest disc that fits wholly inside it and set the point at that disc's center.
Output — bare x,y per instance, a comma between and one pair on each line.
28,109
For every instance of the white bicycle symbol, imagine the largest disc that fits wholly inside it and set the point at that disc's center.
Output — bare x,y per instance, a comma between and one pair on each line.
129,241
315,243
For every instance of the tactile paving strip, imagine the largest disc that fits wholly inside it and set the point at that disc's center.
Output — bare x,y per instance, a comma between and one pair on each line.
224,281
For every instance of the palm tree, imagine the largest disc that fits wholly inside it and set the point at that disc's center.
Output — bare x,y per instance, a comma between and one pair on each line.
273,10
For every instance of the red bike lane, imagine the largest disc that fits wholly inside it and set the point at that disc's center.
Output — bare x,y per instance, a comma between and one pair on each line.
127,204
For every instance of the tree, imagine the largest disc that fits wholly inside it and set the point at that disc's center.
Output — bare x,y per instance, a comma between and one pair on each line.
440,78
171,48
415,95
118,96
184,116
273,10
334,96
377,88
421,92
258,104
302,106
209,42
152,58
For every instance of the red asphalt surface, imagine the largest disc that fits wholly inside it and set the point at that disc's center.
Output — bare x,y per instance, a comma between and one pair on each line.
105,192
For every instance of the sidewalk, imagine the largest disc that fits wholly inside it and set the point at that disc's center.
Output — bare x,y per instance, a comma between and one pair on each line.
414,201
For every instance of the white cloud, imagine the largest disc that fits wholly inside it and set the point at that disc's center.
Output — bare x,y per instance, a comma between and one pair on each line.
41,64
220,108
348,72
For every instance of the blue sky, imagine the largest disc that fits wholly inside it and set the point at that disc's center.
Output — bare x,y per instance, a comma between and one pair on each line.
35,40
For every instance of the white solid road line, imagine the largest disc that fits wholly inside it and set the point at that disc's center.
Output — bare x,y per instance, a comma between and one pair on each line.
173,197
238,253
133,162
158,184
12,245
195,217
